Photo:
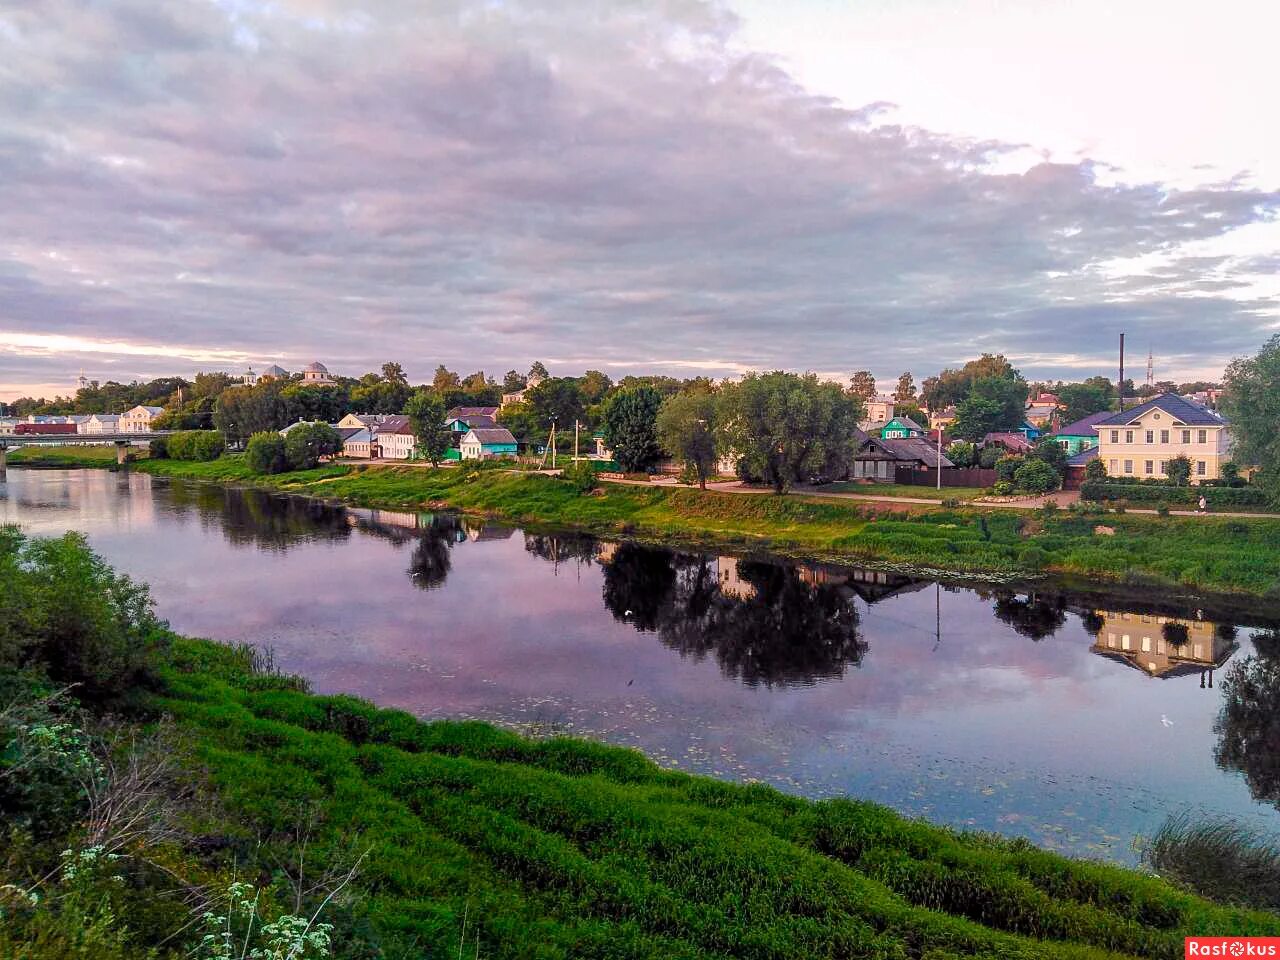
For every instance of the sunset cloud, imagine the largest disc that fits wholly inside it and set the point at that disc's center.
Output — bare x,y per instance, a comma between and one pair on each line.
484,185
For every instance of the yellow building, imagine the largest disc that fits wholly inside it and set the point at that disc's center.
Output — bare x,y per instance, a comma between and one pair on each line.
1139,442
1146,641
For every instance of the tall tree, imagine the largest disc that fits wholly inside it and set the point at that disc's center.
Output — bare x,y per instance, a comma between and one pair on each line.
863,385
906,391
629,423
1079,400
1251,401
512,382
445,379
394,373
558,398
785,427
426,420
686,430
538,372
594,386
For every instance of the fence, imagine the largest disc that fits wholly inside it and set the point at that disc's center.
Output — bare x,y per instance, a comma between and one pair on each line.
951,477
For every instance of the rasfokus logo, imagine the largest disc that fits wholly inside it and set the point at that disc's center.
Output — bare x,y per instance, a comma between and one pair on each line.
1232,947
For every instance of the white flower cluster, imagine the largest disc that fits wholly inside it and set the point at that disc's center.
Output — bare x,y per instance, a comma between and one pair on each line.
231,936
75,864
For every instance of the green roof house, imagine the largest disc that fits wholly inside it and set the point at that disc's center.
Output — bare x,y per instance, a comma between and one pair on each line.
901,428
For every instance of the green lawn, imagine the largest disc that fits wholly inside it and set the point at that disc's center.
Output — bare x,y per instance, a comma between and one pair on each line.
904,490
68,457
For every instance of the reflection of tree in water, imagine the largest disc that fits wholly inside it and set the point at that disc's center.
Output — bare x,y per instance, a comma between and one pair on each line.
1036,616
259,518
430,561
637,585
1248,725
561,547
774,628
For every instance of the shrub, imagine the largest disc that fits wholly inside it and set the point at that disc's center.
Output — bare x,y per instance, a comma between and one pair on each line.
196,445
1095,470
1006,467
1036,476
1164,493
159,447
1162,509
266,453
1032,557
1002,488
988,456
580,475
1178,470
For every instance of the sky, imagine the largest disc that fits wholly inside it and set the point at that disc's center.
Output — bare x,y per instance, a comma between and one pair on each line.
670,187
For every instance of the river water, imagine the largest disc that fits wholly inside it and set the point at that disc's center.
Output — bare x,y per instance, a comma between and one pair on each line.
1078,723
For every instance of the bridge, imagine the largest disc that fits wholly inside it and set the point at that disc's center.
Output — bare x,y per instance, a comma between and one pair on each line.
122,442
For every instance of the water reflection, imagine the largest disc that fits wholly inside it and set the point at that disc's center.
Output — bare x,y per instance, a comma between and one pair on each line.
1248,725
764,623
1160,645
259,518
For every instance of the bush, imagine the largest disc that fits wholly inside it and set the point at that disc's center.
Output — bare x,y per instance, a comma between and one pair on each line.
1164,493
76,618
1178,470
1032,557
266,453
1095,469
159,447
581,475
1006,467
1002,488
1162,509
1036,476
988,456
196,445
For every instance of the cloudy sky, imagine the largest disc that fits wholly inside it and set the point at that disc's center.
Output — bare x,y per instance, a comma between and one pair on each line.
672,186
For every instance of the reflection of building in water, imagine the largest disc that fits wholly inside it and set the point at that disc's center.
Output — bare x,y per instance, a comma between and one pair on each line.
870,585
606,550
382,518
731,584
479,530
1145,641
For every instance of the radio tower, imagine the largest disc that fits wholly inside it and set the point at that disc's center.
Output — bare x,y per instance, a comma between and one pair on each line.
1150,374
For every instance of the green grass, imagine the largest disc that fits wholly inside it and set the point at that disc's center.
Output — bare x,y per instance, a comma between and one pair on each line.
1221,859
1203,554
67,458
566,848
904,490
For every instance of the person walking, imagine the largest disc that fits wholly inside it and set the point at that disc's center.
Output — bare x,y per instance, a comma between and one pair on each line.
1204,504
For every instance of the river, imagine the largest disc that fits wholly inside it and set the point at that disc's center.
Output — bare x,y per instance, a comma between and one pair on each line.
1077,723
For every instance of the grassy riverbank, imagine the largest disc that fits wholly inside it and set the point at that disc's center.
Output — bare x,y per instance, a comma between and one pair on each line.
435,838
1193,553
67,458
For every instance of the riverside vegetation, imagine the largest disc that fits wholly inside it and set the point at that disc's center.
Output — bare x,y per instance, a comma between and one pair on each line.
1205,554
164,796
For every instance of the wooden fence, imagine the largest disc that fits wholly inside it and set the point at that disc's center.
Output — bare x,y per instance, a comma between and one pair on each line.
951,477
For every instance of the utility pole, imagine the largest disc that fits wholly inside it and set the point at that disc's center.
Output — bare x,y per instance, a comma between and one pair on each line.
553,443
1120,386
575,441
1151,379
939,458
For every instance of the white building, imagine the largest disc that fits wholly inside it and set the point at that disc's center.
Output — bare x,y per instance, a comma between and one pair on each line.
138,419
395,440
99,423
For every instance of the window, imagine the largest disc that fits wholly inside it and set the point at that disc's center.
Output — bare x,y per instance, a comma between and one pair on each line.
1146,644
1151,467
1112,467
1151,436
1164,436
1128,436
1124,641
1199,468
1202,436
1115,436
1160,468
1128,466
1186,436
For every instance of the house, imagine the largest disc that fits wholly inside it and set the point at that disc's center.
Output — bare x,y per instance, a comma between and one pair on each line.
7,425
878,459
396,440
1015,443
138,419
1078,436
480,443
99,423
1041,415
941,419
1077,466
901,428
518,395
316,374
879,409
462,419
79,419
356,441
1140,441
